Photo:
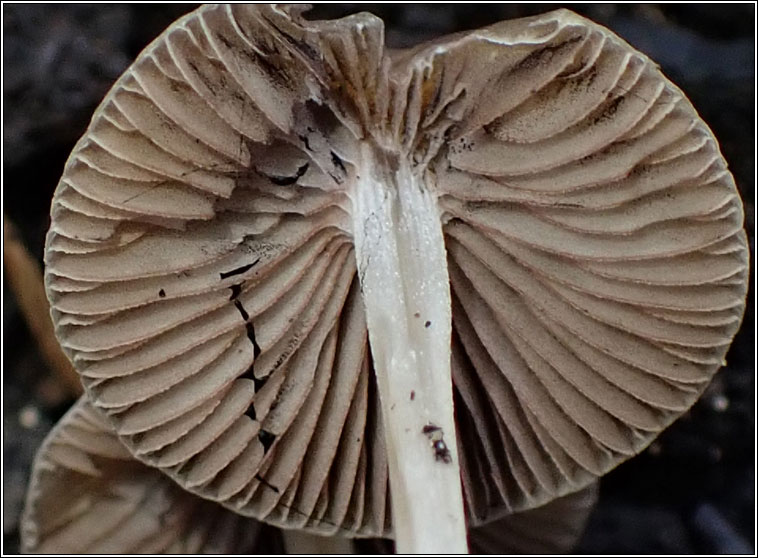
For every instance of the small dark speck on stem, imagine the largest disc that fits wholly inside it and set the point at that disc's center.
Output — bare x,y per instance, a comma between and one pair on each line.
441,453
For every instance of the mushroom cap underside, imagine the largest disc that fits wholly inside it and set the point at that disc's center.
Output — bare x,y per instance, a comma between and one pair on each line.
88,495
201,268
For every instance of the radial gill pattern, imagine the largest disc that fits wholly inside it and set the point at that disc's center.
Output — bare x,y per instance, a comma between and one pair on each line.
203,282
597,262
202,274
89,496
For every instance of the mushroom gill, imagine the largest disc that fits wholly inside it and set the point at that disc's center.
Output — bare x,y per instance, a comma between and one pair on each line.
299,273
88,495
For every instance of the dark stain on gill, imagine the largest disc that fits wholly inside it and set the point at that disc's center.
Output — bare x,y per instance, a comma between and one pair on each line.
289,180
304,139
201,76
250,374
271,61
238,270
242,311
250,331
297,43
266,61
251,335
224,41
337,162
263,481
340,172
544,55
267,439
609,110
236,290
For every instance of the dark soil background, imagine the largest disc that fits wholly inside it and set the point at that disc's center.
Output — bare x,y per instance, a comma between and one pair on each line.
692,491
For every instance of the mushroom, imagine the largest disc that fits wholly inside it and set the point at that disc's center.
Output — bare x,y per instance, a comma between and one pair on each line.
89,495
295,270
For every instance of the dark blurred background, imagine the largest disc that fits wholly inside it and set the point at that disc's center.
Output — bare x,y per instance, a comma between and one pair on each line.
692,491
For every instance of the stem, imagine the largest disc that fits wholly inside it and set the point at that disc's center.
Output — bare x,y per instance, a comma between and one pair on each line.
402,267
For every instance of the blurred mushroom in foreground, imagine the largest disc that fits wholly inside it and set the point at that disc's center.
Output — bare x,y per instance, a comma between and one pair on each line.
88,495
281,257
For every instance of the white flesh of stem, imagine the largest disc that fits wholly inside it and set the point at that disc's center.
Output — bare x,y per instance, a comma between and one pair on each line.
402,268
